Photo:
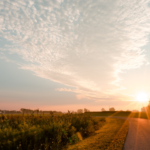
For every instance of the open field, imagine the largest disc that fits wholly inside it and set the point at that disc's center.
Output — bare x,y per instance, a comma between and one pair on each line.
120,114
111,136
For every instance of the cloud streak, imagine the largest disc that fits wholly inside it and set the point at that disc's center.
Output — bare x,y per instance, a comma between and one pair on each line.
82,44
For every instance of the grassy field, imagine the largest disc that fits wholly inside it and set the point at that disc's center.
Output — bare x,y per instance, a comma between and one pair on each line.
140,115
110,137
120,114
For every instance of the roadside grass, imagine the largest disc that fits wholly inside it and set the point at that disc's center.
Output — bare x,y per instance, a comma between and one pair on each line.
110,137
142,115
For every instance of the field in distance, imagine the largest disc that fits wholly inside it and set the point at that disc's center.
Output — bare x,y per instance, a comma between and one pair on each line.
142,115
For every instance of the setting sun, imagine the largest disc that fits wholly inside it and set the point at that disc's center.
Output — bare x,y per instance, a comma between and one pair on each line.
142,97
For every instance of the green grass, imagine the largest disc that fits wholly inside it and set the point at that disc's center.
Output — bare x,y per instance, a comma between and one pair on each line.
110,137
142,115
109,113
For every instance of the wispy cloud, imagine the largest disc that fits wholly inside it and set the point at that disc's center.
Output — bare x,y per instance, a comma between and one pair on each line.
82,44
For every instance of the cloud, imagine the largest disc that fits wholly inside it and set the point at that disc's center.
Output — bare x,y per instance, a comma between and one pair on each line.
82,44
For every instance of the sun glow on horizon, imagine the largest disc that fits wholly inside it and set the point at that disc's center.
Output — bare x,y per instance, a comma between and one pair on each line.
142,97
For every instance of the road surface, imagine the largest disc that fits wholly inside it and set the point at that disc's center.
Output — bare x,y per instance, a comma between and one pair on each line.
138,137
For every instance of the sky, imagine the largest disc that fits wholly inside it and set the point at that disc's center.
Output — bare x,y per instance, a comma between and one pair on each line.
73,54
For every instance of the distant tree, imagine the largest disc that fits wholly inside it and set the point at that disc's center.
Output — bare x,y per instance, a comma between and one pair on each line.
30,111
80,111
112,109
135,111
86,110
103,109
36,111
73,112
23,110
51,113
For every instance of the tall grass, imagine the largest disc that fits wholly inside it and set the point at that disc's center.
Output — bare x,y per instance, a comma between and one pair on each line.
32,132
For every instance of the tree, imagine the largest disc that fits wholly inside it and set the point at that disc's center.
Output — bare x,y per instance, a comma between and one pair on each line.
80,111
112,109
73,112
51,113
127,110
36,111
103,109
86,110
135,111
23,110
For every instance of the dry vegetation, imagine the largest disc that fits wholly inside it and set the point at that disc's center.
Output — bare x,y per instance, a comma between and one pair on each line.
45,132
64,131
110,137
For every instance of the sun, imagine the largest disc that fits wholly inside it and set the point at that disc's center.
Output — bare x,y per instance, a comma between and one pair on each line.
142,97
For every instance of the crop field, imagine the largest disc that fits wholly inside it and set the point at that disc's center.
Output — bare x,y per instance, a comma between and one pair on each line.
45,132
143,115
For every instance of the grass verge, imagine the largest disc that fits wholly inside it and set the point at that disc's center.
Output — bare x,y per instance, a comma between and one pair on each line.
110,137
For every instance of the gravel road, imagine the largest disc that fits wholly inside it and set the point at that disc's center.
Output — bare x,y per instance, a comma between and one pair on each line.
138,137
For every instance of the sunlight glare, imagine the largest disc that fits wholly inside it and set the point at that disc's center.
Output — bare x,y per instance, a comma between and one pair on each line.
142,97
